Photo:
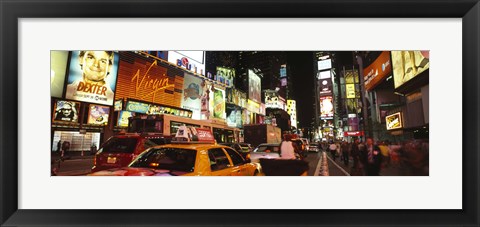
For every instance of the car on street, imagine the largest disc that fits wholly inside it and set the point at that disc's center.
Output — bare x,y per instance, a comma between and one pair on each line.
313,148
243,149
265,150
187,158
120,150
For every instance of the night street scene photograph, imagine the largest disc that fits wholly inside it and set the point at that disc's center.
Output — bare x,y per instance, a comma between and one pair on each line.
239,113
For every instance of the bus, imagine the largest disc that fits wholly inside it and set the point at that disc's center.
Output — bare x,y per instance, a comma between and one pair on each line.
168,125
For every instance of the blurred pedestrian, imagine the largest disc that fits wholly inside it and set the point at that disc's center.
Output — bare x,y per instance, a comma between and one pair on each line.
59,146
333,150
65,148
287,151
385,153
345,150
416,158
372,158
357,168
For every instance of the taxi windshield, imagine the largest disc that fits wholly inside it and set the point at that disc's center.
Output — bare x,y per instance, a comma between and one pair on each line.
167,158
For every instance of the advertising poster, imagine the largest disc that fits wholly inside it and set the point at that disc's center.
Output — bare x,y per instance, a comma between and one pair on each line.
123,118
137,107
192,94
234,116
227,74
98,115
408,64
58,66
217,100
118,105
350,90
255,86
326,107
66,111
92,76
377,71
325,64
325,86
394,121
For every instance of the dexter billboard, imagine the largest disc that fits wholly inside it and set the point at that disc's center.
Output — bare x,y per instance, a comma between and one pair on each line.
92,76
408,64
377,71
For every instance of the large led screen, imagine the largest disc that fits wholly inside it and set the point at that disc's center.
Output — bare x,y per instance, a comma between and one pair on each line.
66,111
255,86
408,64
92,76
326,107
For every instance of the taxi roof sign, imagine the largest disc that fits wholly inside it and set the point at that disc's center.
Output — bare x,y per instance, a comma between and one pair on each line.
192,134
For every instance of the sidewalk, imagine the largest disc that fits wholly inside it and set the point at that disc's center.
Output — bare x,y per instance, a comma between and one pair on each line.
72,164
387,170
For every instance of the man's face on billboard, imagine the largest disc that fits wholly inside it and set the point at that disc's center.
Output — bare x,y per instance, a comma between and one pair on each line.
67,110
95,65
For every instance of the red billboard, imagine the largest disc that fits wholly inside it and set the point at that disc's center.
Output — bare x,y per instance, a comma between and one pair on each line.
377,71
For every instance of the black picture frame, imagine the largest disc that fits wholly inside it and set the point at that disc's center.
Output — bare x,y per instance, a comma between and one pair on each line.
12,11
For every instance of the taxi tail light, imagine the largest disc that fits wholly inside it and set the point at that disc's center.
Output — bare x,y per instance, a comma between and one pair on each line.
95,160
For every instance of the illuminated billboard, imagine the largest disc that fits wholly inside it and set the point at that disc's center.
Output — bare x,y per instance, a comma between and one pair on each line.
192,90
408,64
324,75
123,118
325,64
350,90
217,103
98,115
325,86
377,71
225,75
92,76
234,116
58,66
255,86
394,121
66,111
292,111
326,107
283,71
193,61
273,100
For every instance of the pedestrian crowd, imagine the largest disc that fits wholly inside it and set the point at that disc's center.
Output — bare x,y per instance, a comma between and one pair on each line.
409,158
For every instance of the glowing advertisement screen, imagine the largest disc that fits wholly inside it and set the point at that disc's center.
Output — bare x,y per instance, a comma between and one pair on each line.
326,107
123,118
98,115
234,116
408,64
254,84
226,75
394,121
217,102
66,111
192,91
92,76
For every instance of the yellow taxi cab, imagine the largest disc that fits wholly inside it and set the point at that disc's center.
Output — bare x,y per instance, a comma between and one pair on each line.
192,152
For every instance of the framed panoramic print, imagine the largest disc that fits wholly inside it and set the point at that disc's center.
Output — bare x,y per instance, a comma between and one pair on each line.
246,113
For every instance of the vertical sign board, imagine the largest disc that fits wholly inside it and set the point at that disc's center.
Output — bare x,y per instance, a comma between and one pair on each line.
192,91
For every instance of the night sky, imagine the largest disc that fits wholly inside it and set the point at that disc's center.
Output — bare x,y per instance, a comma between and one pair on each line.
300,64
